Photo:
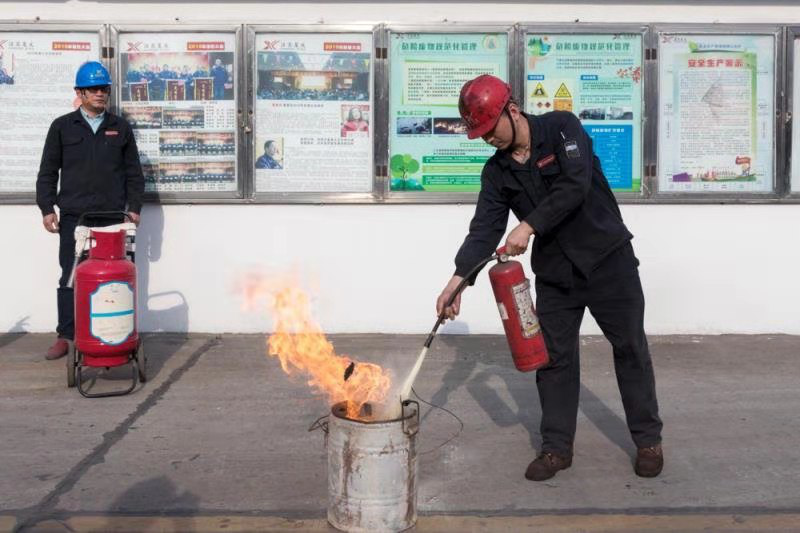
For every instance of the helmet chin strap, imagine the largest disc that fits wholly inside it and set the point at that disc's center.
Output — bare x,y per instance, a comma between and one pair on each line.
513,131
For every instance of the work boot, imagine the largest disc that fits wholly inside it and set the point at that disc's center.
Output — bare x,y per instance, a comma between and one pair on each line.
649,461
58,350
546,465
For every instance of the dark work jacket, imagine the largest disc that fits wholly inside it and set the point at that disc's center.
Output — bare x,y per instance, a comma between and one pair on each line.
564,197
98,171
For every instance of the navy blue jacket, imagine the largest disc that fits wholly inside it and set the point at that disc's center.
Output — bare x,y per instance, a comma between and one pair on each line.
561,192
98,171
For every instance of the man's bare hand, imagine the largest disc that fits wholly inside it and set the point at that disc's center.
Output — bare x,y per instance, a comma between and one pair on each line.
452,311
517,241
135,218
50,222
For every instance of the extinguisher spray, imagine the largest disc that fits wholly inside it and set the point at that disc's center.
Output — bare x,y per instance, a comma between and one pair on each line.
512,292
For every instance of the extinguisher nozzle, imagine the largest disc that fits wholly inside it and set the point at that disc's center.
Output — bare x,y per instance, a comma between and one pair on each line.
349,370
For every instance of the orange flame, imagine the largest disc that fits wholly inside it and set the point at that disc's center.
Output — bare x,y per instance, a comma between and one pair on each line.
300,345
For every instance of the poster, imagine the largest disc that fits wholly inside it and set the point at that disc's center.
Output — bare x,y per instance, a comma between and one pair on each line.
716,113
795,184
428,145
37,80
598,77
314,112
178,91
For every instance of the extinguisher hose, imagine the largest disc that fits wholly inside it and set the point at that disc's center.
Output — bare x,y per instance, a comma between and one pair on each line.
455,294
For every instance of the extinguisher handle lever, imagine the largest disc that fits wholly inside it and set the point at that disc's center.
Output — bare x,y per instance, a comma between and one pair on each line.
502,250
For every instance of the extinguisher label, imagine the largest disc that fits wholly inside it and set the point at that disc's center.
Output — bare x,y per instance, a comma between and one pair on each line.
111,312
524,304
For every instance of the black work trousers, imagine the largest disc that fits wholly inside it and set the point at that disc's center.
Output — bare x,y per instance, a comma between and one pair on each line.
65,297
613,294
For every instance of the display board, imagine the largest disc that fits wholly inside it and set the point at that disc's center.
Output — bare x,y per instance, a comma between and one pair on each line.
37,80
314,108
178,91
428,147
599,78
716,130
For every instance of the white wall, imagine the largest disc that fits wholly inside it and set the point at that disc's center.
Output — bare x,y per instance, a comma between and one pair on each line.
705,269
378,268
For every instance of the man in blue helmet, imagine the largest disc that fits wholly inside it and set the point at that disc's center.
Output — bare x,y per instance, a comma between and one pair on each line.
92,152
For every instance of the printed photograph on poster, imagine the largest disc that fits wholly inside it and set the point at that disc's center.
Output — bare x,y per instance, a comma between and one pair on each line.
143,117
449,126
177,76
428,146
295,75
177,143
210,171
37,80
313,112
150,172
413,125
355,119
717,101
216,143
177,172
186,117
598,77
272,156
6,68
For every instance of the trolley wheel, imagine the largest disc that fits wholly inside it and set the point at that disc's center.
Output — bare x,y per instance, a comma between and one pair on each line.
141,360
71,358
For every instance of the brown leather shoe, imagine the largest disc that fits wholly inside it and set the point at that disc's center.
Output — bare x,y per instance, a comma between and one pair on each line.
649,461
58,350
546,465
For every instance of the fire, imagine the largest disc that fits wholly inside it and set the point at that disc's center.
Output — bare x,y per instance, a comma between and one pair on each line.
301,346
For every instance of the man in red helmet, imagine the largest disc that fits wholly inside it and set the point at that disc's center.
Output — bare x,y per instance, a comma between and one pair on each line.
545,172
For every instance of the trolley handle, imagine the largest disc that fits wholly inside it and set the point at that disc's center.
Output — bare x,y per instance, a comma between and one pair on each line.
103,214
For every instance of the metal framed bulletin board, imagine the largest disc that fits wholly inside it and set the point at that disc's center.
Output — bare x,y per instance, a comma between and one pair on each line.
718,99
428,158
597,72
311,120
37,79
180,87
791,137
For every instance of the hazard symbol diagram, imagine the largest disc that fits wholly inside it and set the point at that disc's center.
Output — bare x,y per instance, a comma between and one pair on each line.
539,91
563,92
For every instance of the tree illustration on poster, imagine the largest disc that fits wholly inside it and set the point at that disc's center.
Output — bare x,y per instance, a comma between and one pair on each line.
402,166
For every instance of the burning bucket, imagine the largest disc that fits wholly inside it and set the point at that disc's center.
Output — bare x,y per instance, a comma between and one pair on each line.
372,470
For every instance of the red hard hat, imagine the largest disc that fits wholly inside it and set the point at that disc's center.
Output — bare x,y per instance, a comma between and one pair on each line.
481,103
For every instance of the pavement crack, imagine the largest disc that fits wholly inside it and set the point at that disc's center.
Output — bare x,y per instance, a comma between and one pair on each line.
42,510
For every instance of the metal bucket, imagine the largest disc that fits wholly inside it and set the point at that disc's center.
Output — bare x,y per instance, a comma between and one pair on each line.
372,471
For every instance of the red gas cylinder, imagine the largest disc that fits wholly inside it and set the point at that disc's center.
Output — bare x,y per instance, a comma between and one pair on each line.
105,302
512,291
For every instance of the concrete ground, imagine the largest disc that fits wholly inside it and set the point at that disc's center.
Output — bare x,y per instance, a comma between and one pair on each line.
218,440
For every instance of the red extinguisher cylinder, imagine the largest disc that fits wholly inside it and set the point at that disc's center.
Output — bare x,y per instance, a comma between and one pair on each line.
105,302
512,292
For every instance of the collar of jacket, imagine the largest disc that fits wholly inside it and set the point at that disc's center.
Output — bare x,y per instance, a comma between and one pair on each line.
109,119
537,140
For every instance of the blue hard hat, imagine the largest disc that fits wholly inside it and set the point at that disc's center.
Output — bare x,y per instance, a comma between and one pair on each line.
92,74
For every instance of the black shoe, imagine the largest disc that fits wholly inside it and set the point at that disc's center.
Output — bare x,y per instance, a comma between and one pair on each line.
546,465
649,461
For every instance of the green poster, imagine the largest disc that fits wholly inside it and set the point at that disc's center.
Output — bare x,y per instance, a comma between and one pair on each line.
598,77
428,145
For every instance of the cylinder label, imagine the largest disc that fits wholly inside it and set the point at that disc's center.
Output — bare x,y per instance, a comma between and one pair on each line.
528,322
111,317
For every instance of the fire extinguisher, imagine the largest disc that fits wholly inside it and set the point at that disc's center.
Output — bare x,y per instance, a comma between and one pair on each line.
512,292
